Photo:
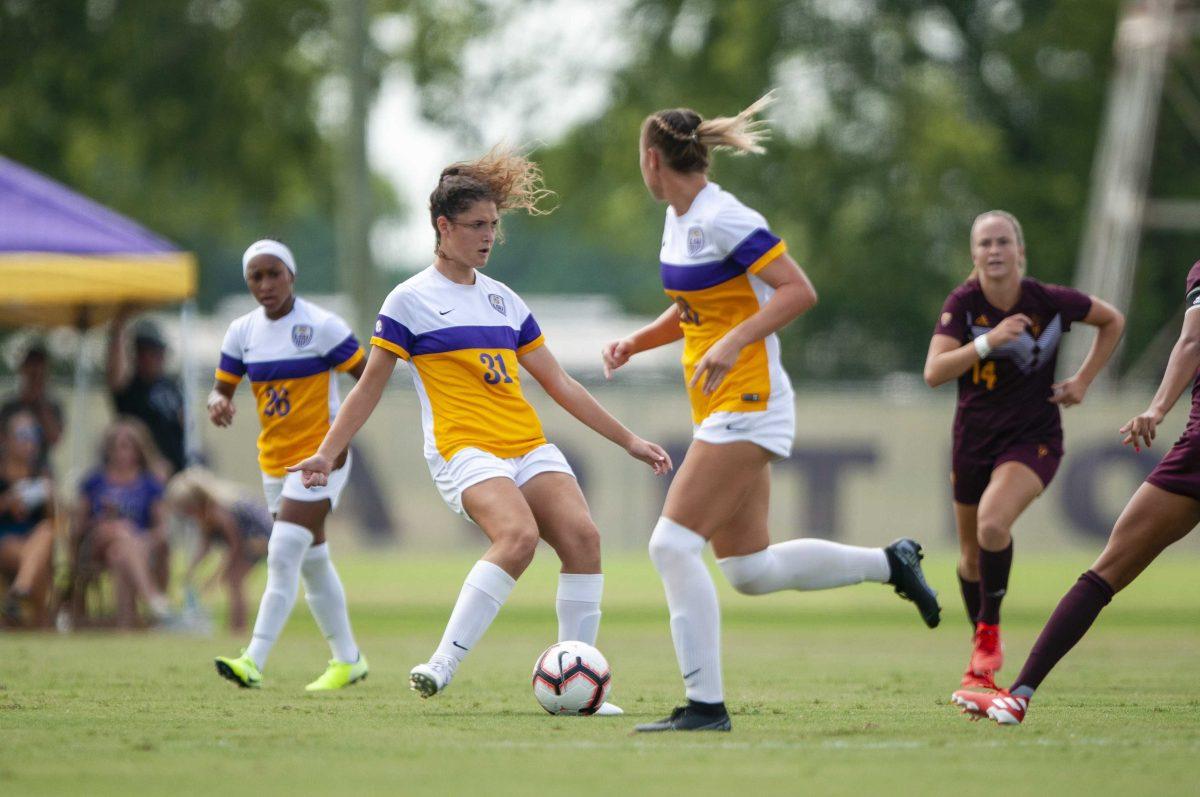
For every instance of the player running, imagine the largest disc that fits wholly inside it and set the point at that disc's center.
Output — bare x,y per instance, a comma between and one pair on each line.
733,286
998,335
464,335
291,349
1164,510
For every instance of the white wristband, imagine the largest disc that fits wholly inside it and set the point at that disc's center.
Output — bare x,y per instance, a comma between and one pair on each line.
982,347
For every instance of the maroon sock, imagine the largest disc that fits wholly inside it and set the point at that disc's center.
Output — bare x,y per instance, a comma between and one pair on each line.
970,593
1075,614
993,582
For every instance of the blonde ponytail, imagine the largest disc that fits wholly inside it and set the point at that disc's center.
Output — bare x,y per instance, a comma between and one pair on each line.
686,139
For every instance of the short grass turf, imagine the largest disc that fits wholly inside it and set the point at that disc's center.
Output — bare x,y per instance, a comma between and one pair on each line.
840,692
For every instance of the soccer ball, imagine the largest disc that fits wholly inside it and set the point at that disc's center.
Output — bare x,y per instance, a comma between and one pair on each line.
571,678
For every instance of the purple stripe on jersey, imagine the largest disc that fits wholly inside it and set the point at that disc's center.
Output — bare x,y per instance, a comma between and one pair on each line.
530,331
706,275
232,365
699,276
752,247
457,338
343,351
287,369
393,331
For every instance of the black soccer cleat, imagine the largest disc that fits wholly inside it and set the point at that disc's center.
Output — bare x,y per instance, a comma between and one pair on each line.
688,718
904,558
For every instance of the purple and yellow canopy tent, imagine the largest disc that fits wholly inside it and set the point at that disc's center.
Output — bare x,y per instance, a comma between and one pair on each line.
66,260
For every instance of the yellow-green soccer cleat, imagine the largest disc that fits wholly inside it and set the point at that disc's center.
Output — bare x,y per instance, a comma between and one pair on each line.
340,674
242,671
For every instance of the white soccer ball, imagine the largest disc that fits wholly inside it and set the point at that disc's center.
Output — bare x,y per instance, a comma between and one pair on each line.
571,678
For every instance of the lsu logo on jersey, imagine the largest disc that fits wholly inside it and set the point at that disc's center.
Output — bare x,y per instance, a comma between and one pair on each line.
497,303
302,335
695,241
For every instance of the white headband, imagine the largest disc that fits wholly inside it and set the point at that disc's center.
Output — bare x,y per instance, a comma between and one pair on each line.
268,247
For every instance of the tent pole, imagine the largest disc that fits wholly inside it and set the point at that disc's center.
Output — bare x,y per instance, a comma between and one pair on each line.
187,365
78,420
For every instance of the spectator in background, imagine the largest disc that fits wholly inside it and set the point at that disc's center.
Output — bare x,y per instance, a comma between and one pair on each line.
26,520
142,390
120,520
224,517
33,398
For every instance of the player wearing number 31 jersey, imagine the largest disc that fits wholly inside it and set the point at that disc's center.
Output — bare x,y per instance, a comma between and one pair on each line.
998,335
467,337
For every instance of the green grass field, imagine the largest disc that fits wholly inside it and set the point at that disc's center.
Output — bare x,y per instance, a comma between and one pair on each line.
841,692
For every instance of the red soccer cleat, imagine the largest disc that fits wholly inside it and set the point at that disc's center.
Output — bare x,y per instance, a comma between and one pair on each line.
979,681
1004,708
988,656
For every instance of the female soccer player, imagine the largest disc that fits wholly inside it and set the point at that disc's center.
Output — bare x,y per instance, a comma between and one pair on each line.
291,349
998,335
224,518
1164,510
733,286
464,335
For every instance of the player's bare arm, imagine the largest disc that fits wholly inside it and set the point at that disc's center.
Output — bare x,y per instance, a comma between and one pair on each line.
663,330
354,412
794,295
949,358
1110,325
575,399
1181,369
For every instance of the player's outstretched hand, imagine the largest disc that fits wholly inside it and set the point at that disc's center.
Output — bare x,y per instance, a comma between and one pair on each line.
1009,330
615,354
314,471
1141,429
220,409
1068,393
652,454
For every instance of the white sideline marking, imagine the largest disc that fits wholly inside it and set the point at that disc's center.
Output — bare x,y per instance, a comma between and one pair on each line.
835,744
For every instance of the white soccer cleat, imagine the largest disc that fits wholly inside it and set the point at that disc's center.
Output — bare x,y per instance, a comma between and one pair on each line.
429,679
609,710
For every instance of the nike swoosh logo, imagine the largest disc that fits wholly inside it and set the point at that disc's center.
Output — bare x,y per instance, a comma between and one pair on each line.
443,312
733,428
460,647
693,672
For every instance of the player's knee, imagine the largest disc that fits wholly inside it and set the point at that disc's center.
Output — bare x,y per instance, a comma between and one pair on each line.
992,534
751,574
518,539
580,552
671,543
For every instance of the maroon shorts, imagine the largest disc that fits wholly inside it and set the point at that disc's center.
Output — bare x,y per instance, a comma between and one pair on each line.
970,479
1179,470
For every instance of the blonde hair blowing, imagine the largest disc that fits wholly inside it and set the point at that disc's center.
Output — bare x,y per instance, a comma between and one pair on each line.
1011,219
503,176
198,486
685,138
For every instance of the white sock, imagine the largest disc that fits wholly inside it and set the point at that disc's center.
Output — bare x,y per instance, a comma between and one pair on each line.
483,593
695,615
805,565
327,602
285,551
578,606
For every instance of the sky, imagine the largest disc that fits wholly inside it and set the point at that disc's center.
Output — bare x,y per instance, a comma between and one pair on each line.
579,50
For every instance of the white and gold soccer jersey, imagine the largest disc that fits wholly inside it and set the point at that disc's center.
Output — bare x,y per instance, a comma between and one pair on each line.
710,256
463,342
290,361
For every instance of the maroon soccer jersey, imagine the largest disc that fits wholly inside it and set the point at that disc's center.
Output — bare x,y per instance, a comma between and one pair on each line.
1179,470
1004,399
